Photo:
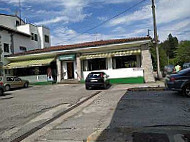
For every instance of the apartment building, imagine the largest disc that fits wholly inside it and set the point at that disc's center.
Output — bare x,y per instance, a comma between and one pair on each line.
18,36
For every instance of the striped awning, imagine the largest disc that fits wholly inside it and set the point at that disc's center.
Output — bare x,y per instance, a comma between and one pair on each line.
29,63
111,54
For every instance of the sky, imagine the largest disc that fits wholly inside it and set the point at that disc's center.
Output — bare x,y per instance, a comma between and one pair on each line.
69,19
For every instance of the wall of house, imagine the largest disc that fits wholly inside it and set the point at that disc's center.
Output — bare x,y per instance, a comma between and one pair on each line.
122,75
42,32
24,28
9,21
24,41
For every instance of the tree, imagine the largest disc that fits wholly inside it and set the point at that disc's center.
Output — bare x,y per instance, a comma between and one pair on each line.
170,45
162,55
183,52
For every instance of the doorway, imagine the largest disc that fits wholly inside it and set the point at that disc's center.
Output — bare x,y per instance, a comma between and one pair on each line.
70,70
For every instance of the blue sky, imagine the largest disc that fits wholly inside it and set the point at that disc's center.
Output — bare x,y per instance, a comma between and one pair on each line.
67,19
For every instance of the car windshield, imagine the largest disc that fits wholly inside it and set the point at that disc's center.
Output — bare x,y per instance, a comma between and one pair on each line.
95,75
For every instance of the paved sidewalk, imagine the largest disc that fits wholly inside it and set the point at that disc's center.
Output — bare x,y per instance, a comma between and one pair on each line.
127,86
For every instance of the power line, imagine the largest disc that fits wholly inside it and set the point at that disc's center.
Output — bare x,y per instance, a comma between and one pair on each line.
102,23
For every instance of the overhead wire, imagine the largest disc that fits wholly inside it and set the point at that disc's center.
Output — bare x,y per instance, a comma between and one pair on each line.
102,23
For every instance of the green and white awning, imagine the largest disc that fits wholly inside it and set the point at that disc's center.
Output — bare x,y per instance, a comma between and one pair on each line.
111,54
29,63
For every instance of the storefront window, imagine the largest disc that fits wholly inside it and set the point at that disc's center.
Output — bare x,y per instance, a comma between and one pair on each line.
125,62
94,64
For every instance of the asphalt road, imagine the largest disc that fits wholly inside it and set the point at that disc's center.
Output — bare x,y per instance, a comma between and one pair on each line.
18,107
133,117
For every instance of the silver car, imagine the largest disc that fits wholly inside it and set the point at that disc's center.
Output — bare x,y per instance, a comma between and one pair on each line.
14,82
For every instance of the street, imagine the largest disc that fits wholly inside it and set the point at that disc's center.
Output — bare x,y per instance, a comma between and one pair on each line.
114,115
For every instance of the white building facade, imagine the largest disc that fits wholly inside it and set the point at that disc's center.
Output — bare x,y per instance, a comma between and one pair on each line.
124,60
17,36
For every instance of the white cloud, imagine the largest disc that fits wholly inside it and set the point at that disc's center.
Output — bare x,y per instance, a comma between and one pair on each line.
144,13
51,21
102,18
178,29
69,10
171,10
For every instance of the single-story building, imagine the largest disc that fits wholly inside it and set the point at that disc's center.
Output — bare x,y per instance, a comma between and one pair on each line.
124,60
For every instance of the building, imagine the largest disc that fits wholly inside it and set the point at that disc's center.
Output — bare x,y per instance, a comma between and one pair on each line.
18,36
124,60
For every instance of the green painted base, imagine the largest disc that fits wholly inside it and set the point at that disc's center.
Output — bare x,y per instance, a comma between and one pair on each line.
131,80
42,83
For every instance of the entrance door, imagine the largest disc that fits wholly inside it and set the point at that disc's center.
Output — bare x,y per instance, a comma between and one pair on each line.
70,70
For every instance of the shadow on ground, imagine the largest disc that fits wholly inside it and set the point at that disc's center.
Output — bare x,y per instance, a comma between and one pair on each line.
149,116
100,88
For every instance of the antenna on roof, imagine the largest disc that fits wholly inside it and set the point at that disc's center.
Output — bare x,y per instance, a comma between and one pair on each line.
20,10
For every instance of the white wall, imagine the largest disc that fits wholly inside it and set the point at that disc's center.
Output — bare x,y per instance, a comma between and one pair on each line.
119,73
24,28
5,38
9,21
42,32
21,40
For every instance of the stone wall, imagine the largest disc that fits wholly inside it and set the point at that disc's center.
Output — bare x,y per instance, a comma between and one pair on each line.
147,64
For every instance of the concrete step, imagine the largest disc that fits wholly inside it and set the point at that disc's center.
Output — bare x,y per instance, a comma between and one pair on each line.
69,81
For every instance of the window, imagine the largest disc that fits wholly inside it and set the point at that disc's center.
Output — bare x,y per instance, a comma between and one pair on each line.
32,36
36,37
10,79
125,62
22,48
96,64
17,79
6,47
17,23
47,38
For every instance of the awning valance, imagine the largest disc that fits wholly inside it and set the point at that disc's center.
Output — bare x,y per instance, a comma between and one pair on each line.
29,63
111,54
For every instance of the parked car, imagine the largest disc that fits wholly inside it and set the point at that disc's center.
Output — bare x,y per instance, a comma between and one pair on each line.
96,79
179,82
169,69
14,82
186,65
2,88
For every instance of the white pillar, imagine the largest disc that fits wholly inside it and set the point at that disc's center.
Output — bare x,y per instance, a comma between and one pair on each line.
58,63
78,61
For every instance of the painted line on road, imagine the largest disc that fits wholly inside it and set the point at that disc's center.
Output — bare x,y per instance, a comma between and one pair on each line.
49,124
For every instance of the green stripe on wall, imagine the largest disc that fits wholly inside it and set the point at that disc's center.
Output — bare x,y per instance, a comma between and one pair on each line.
127,80
131,80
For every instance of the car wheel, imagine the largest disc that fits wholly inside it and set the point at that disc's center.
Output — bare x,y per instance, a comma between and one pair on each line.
186,90
1,92
87,87
25,85
7,87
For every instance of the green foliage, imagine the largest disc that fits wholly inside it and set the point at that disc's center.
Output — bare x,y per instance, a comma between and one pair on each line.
183,53
170,45
162,55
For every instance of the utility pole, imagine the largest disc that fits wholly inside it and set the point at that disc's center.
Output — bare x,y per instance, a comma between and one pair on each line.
155,41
